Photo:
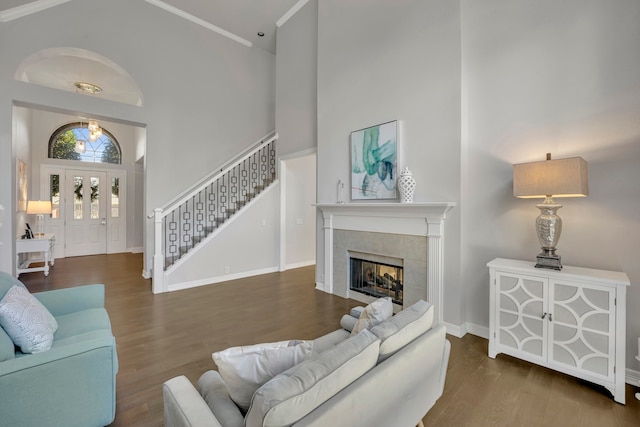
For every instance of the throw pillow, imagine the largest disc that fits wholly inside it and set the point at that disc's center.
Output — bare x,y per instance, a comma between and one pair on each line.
27,321
294,393
373,314
244,369
403,328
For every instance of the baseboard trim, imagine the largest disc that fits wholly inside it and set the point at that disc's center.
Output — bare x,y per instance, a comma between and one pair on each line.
320,286
219,279
299,265
632,377
146,274
136,250
460,331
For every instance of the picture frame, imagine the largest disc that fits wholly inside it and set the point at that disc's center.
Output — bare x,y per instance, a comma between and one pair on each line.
374,162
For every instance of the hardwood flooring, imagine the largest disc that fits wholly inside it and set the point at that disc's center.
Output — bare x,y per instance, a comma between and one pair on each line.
161,336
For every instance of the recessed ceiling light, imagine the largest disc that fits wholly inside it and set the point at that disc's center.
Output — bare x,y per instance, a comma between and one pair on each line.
260,34
88,88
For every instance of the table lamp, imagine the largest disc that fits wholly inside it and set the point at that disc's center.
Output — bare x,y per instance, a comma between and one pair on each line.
548,179
39,208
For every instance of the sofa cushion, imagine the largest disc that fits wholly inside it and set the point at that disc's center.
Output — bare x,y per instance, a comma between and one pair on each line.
290,396
93,319
244,369
27,321
7,347
403,328
373,314
7,281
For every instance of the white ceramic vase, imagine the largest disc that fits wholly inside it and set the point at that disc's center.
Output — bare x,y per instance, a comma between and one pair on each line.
406,186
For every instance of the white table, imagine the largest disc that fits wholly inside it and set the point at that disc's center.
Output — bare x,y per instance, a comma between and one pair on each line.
42,247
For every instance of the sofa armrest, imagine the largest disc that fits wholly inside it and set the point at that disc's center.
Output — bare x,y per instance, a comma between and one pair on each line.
75,381
184,407
70,300
82,344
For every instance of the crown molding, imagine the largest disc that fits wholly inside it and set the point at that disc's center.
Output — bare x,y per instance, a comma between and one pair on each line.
198,21
27,9
296,7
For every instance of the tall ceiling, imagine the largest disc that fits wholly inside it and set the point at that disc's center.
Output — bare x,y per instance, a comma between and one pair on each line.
62,68
242,18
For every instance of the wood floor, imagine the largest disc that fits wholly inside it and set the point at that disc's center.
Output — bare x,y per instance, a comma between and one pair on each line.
161,336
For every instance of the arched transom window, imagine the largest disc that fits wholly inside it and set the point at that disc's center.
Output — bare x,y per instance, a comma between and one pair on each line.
74,141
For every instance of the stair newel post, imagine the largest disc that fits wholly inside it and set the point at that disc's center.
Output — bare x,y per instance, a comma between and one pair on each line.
158,255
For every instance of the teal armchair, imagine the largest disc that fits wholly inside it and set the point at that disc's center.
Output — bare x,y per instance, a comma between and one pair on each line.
73,383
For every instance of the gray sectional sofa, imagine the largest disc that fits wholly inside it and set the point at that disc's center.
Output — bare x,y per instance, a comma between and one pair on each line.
388,376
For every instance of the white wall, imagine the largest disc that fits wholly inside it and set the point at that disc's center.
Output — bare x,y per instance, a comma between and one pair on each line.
205,97
44,123
247,245
380,61
558,77
296,80
22,136
296,123
299,213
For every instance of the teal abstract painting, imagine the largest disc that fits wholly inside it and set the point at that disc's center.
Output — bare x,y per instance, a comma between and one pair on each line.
374,152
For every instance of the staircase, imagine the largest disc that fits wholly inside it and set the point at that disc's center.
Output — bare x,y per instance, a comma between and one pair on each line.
194,217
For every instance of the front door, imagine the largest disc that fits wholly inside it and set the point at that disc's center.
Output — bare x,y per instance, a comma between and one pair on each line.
86,207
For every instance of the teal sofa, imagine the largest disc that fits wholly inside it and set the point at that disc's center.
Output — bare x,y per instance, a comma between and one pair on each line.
73,383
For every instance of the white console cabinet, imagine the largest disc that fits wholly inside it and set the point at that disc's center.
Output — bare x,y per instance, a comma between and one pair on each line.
572,321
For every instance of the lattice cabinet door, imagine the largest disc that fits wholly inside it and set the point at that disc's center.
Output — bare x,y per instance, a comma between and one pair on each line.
521,316
582,328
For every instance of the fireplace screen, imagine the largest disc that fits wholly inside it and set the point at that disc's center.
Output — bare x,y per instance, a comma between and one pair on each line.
376,279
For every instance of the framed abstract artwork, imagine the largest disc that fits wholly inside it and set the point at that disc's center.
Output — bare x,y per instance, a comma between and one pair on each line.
374,154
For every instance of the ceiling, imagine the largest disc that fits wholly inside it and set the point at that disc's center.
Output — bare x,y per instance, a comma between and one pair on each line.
61,68
242,18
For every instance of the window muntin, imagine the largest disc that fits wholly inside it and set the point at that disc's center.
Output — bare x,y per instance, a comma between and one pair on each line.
62,145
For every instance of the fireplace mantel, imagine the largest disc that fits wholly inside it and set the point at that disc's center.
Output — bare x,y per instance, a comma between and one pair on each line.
418,219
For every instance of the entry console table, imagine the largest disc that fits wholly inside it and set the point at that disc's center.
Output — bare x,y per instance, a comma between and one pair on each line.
42,247
572,321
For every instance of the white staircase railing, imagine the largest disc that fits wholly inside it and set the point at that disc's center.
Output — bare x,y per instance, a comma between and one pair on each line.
194,216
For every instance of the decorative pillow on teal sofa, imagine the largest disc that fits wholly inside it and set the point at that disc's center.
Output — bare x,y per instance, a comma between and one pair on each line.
27,321
7,347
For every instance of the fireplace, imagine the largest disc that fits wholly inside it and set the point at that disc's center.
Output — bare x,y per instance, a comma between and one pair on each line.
376,279
406,235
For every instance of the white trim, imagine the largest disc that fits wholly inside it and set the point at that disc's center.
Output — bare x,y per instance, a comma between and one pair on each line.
136,250
296,7
147,274
477,330
198,21
282,235
632,377
455,330
28,9
219,279
320,286
299,264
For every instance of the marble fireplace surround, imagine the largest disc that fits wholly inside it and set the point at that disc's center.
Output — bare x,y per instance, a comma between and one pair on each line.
412,232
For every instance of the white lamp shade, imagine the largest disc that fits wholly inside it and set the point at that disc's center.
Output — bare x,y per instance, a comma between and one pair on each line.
558,178
38,207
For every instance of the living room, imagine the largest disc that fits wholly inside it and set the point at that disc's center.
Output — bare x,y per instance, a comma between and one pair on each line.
475,86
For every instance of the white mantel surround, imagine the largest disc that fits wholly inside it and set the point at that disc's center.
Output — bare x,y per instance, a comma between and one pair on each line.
417,219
